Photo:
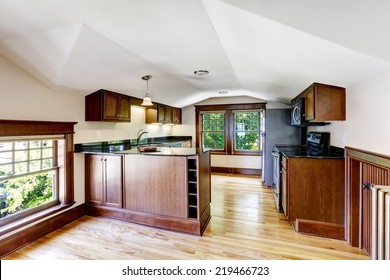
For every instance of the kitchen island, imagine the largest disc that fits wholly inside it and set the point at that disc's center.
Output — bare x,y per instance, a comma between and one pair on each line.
167,187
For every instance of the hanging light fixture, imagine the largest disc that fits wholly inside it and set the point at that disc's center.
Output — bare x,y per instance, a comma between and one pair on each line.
147,100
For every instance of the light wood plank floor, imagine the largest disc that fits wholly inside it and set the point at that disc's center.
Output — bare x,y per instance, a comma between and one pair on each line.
245,225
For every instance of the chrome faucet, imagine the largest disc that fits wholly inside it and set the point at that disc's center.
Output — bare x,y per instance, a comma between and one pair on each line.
139,135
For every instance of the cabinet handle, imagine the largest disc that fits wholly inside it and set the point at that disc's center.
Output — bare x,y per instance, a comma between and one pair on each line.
368,186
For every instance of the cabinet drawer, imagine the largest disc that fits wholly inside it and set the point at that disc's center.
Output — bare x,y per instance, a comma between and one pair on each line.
284,162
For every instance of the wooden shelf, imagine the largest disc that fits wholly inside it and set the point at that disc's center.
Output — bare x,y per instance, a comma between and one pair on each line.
192,188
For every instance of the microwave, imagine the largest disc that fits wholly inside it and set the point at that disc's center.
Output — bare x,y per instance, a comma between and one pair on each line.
298,111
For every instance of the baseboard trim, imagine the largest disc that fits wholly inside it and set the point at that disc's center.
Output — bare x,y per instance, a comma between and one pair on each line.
235,170
322,229
36,231
191,226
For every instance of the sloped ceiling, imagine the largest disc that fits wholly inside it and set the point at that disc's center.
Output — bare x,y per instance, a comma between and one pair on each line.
270,50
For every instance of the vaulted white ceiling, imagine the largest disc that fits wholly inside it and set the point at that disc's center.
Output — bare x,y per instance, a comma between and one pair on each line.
270,50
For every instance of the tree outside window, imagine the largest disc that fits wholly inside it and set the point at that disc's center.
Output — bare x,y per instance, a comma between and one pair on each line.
213,131
246,131
232,129
28,172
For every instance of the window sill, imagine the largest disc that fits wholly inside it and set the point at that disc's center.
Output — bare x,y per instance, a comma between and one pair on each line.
33,218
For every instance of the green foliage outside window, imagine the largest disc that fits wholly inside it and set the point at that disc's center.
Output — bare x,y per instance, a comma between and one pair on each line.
214,140
25,192
246,131
20,190
213,131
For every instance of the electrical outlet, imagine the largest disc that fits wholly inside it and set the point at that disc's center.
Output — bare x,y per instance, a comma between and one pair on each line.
98,134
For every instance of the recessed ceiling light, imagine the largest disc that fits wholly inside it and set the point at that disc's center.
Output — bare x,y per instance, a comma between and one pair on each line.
201,72
223,92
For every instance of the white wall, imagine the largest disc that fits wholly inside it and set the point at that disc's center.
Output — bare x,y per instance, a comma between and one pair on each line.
368,115
25,98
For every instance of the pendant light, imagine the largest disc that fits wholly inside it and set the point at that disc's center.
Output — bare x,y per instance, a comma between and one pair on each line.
147,100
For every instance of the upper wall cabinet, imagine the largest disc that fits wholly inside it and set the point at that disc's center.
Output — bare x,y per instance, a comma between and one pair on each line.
324,103
104,105
163,114
176,115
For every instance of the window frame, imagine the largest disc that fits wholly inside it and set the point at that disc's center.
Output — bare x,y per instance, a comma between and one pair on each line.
22,128
246,152
219,151
229,125
55,168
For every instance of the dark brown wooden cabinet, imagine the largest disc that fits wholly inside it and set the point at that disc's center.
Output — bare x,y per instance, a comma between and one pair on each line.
104,105
150,190
313,195
103,180
163,114
324,103
176,115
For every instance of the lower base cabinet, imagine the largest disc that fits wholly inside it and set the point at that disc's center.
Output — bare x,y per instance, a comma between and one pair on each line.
313,195
103,180
170,192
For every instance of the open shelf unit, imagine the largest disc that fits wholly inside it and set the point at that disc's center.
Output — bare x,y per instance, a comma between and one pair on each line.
192,169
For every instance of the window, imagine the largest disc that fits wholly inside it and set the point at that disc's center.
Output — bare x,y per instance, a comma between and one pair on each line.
246,131
36,171
213,130
231,129
28,176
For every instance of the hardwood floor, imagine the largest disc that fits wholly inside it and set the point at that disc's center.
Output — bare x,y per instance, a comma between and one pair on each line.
244,225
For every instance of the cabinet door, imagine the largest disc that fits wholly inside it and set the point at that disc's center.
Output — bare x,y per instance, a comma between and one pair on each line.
110,106
176,115
164,114
151,115
103,180
309,104
94,179
285,191
168,114
161,113
113,181
124,107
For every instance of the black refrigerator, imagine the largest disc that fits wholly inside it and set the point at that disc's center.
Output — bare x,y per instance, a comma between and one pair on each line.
277,131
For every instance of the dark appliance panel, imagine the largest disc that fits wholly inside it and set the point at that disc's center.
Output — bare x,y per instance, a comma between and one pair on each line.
277,131
298,111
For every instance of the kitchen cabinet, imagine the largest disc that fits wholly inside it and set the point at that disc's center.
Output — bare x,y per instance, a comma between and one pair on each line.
313,195
163,114
324,103
165,191
104,105
176,115
103,180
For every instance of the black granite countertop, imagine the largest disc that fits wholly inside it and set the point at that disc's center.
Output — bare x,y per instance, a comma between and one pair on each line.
303,152
119,146
165,151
